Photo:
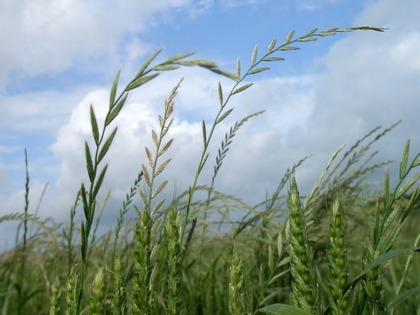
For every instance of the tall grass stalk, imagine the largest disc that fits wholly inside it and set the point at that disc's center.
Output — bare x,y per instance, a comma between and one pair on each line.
287,255
338,261
144,299
240,78
304,287
103,140
237,303
175,302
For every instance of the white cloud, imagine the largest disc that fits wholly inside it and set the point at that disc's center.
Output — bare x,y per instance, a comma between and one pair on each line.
230,4
33,112
313,5
52,36
197,98
5,179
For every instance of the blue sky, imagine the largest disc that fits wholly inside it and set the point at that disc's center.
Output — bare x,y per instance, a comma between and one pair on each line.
61,56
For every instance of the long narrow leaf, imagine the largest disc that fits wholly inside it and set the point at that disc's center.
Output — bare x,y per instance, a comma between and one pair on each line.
221,118
258,70
142,80
84,200
220,91
242,88
89,164
273,59
147,63
380,260
238,69
116,110
289,37
114,89
271,46
254,55
94,125
159,189
225,73
106,145
204,63
99,182
203,127
403,296
289,48
178,57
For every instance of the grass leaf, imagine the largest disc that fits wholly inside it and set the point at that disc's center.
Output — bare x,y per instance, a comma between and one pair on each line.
144,79
204,63
149,157
311,32
258,70
99,181
142,195
178,57
158,206
221,118
115,111
164,67
224,73
406,187
89,164
146,175
286,48
404,159
306,39
238,69
113,92
159,189
220,91
147,64
254,55
106,145
162,167
154,135
273,59
165,147
200,167
242,88
203,128
271,46
289,37
94,125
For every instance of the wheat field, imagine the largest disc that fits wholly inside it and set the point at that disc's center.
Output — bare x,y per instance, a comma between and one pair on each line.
341,249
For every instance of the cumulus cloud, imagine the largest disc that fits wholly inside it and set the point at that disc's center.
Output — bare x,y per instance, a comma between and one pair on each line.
44,111
135,124
51,36
260,149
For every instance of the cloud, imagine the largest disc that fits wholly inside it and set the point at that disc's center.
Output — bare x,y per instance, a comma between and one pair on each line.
313,5
254,151
135,124
43,111
230,4
47,37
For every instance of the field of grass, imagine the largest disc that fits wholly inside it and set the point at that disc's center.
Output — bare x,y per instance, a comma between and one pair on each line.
342,249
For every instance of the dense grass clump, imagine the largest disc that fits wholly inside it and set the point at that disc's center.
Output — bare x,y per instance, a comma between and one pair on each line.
342,249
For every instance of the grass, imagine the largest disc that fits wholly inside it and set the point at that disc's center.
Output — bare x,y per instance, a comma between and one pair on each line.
343,249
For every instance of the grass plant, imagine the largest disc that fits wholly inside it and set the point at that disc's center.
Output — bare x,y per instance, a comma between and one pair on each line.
288,254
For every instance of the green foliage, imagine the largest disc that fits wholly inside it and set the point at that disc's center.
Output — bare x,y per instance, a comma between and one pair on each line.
286,255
